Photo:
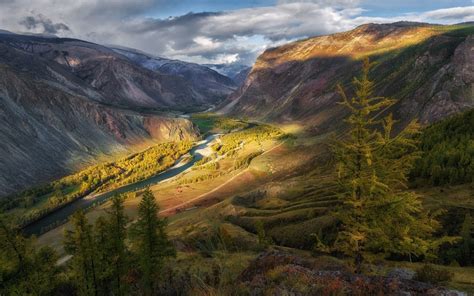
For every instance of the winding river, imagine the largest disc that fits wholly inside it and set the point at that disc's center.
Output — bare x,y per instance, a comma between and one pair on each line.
63,213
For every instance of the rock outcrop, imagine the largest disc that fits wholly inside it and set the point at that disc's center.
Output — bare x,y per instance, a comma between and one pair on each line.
279,273
428,69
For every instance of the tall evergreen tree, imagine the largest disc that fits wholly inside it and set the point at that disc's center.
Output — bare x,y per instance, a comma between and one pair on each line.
25,270
80,243
103,257
13,249
118,249
152,244
378,214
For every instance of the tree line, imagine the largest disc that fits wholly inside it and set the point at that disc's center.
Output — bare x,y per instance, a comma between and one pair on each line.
109,257
447,151
127,170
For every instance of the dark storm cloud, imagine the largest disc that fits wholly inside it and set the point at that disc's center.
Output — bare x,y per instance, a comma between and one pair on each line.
34,22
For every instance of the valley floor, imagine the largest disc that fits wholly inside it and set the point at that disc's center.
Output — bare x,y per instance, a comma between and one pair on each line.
214,208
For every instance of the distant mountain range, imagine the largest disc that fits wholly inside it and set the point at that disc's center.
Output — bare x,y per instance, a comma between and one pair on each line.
429,69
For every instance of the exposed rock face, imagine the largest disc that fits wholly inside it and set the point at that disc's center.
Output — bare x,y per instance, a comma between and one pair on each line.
241,76
208,86
52,121
429,69
123,82
231,70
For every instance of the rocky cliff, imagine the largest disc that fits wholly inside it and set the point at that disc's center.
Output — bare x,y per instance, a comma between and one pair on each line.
122,81
53,120
428,69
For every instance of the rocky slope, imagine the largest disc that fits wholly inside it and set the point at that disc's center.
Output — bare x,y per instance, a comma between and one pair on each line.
429,69
208,85
237,72
122,82
52,116
240,77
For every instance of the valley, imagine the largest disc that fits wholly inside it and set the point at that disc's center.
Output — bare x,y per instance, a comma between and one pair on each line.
341,165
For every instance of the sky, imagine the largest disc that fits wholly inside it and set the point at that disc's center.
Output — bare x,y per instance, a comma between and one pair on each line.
215,31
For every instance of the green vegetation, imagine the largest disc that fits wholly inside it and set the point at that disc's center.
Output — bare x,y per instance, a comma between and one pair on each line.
102,262
33,204
259,133
207,122
378,215
24,268
150,242
447,151
431,274
244,162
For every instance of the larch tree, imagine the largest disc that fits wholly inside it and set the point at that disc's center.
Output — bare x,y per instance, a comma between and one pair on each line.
80,243
152,244
103,256
25,270
117,223
377,213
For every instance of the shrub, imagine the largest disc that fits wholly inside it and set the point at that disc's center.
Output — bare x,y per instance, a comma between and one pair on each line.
431,274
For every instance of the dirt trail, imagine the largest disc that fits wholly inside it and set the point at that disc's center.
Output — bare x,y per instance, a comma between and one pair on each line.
216,188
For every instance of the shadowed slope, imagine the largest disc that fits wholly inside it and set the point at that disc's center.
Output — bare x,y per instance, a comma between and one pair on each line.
428,69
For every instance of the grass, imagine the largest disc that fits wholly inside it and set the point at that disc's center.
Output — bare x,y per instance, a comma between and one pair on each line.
463,279
209,122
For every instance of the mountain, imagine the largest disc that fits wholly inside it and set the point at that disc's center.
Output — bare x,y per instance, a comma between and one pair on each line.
241,76
428,68
57,108
120,81
208,85
237,72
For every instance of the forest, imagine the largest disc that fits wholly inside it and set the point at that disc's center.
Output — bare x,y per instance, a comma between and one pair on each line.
447,151
34,203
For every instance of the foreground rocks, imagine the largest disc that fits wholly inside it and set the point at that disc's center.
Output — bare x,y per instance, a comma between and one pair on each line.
279,273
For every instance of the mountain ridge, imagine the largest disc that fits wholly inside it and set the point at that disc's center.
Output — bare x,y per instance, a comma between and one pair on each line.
426,67
54,122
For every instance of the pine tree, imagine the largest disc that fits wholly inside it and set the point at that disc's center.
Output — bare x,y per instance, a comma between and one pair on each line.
13,249
152,244
118,249
378,214
25,270
103,256
80,243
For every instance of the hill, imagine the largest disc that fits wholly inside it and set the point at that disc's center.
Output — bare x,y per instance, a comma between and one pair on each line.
427,68
61,109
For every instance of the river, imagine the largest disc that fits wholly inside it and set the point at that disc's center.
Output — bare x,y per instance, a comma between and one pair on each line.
63,213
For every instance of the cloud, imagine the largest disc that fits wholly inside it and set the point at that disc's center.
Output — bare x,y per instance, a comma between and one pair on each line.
454,14
32,23
226,36
332,3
